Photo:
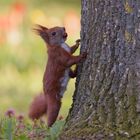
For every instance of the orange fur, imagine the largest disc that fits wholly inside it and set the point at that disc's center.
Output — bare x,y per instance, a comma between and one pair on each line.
60,60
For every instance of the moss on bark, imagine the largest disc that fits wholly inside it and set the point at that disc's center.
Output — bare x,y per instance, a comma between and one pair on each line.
106,103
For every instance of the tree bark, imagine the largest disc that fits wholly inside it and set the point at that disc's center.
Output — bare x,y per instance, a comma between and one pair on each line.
106,102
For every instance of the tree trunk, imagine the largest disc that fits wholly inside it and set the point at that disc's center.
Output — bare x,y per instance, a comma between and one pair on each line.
106,102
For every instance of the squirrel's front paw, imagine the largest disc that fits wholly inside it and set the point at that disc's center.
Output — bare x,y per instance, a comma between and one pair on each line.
84,55
78,42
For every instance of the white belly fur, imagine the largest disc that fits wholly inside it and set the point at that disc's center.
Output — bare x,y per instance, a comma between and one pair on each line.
65,47
65,79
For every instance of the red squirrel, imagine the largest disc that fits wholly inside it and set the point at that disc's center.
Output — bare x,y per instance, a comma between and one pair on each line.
57,73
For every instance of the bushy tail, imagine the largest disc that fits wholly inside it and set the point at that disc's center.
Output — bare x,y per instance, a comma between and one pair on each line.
38,107
45,104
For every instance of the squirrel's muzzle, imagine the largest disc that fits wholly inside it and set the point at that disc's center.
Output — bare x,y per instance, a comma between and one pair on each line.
65,35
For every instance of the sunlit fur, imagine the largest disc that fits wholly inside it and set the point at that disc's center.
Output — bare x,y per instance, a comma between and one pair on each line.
57,73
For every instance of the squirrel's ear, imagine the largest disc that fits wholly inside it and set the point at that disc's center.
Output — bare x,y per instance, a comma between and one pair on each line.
41,27
38,28
41,30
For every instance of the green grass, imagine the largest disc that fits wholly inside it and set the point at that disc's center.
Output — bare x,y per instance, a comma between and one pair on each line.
12,128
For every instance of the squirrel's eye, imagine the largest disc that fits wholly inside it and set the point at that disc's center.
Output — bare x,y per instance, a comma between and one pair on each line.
53,33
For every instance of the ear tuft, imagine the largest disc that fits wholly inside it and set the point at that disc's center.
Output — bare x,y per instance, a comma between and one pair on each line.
41,31
39,28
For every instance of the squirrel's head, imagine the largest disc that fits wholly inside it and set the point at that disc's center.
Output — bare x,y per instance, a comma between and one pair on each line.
53,36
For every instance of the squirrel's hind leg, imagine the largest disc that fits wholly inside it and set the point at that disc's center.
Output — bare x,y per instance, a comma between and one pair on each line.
53,107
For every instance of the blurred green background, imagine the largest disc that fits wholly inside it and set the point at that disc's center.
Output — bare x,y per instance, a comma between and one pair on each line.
23,54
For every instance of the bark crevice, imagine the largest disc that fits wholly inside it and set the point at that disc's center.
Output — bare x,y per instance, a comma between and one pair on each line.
106,102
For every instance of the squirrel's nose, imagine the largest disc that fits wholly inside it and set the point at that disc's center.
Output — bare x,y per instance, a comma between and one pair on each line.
64,28
65,35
